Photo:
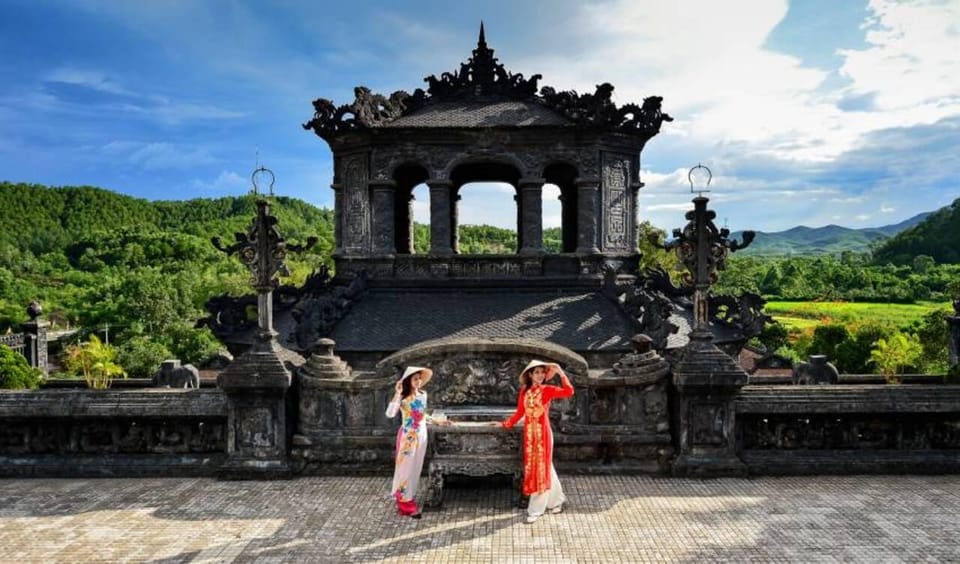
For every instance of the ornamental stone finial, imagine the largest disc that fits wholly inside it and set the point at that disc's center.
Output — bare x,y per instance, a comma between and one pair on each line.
263,250
703,250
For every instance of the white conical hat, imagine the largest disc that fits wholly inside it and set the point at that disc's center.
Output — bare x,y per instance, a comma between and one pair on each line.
552,368
425,374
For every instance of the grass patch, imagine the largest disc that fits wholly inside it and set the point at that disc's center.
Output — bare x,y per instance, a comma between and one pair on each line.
803,315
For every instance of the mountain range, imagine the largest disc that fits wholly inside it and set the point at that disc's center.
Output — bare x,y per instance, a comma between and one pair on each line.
830,239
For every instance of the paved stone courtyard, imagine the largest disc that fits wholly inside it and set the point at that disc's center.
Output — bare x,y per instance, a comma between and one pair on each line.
608,519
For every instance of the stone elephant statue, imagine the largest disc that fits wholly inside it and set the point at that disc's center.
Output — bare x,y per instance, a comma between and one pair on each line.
173,375
815,371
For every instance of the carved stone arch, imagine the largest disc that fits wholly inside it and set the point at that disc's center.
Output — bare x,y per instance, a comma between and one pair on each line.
479,371
555,162
403,163
407,175
484,157
563,174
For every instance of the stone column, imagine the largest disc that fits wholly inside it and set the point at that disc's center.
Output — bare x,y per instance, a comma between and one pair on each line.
440,220
411,238
256,385
635,219
588,217
383,216
707,382
337,218
518,204
36,343
455,222
531,215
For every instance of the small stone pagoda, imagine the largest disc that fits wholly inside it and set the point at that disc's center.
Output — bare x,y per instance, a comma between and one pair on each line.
483,123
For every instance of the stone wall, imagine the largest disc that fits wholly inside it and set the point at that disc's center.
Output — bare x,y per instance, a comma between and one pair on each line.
849,429
147,432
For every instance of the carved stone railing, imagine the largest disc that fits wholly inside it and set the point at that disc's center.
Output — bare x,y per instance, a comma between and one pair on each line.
15,341
848,429
155,432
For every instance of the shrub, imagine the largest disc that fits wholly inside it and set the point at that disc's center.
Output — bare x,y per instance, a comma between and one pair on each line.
16,373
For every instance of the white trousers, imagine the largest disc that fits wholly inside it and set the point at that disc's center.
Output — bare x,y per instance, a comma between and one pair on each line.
549,499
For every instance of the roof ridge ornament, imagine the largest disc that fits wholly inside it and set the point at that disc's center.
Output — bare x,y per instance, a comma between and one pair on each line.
482,75
483,78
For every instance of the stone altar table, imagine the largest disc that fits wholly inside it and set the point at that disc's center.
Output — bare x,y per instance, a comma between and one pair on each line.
470,446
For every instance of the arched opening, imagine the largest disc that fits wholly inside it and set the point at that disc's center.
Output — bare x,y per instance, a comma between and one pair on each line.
408,178
421,219
485,211
562,176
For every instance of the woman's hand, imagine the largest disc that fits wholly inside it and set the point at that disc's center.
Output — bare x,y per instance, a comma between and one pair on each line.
399,388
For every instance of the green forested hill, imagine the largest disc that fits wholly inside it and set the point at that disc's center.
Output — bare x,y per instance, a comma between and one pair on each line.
937,236
94,257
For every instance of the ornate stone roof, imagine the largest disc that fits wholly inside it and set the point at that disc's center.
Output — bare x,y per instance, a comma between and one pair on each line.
480,114
474,97
389,320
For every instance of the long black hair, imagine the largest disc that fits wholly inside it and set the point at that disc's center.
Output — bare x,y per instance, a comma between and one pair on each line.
525,380
407,384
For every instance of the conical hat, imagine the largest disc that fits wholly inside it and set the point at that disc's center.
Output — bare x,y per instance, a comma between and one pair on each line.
425,375
552,368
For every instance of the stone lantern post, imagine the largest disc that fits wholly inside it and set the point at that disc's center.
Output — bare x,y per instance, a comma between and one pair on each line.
257,382
706,379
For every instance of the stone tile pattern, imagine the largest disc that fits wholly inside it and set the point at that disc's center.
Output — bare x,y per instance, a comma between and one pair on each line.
608,519
389,320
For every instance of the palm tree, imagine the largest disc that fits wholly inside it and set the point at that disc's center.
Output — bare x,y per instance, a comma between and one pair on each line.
95,361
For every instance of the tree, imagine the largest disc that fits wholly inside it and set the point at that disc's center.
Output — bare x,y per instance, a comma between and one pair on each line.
141,356
826,339
94,361
934,335
923,263
891,356
853,355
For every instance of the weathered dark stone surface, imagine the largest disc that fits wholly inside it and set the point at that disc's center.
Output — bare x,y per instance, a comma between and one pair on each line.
172,375
150,432
815,371
849,429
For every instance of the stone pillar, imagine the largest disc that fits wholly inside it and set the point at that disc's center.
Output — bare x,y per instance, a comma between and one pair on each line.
337,218
588,217
35,348
256,385
707,381
531,215
635,219
411,238
383,216
440,220
518,204
322,370
455,222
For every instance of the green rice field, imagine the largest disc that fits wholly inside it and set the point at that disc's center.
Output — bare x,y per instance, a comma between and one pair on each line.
804,315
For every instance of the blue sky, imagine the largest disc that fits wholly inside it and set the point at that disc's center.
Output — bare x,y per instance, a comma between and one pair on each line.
812,112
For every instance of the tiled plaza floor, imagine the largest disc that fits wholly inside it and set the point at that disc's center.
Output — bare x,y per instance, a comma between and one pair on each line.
608,519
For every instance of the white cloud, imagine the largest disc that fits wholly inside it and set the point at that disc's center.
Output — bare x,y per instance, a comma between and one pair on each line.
157,155
88,78
911,64
227,182
723,84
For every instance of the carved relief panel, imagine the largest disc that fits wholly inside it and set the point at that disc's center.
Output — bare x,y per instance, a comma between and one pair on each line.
356,204
617,203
